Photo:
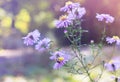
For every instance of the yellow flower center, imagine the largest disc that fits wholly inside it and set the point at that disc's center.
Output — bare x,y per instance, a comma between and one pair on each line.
63,17
68,3
111,61
60,59
116,38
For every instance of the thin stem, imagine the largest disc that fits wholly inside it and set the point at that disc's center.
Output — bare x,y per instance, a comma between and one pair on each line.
103,34
84,67
80,59
77,53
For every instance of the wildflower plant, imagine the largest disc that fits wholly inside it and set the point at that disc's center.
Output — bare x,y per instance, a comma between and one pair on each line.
75,61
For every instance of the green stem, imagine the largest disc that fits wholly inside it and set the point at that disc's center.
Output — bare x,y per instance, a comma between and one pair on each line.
84,67
77,53
103,34
79,57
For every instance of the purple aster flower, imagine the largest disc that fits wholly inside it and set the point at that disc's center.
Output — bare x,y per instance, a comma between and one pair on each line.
43,44
113,65
77,13
113,39
69,6
105,17
60,59
110,40
63,21
31,38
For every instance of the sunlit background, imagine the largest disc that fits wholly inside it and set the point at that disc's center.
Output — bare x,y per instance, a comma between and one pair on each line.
19,63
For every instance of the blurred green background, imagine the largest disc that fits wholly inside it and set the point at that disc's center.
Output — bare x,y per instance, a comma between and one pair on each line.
19,63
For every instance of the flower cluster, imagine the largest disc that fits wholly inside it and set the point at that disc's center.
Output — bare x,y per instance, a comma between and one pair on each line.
73,10
72,18
34,38
44,44
113,40
105,17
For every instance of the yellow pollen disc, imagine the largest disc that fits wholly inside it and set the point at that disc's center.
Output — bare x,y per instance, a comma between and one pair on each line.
111,61
68,3
116,38
63,17
60,58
